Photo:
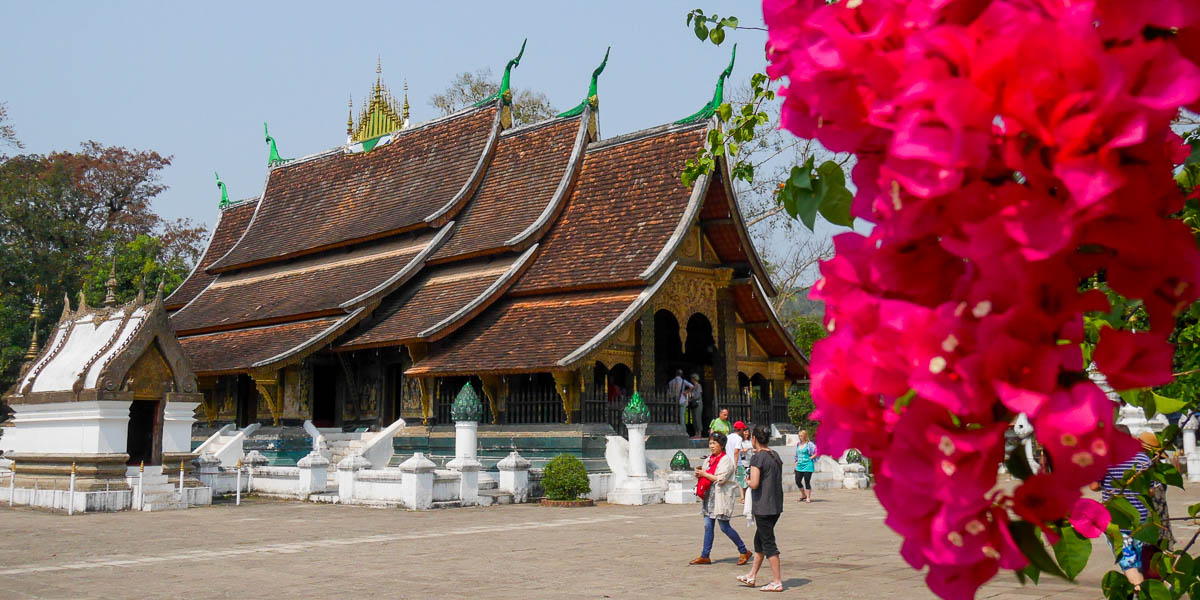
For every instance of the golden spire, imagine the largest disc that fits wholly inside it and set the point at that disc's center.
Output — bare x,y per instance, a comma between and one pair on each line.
35,316
110,298
379,115
350,117
404,114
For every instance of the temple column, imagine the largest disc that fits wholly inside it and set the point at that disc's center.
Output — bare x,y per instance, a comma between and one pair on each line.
725,363
417,352
644,370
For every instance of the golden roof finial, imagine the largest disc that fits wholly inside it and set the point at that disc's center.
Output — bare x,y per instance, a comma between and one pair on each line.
380,113
404,114
350,117
35,316
110,298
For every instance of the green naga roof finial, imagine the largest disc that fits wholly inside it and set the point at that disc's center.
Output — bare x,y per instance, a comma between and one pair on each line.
224,192
718,96
274,158
592,89
503,91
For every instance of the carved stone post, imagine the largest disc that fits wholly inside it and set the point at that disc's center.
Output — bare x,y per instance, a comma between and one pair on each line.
514,476
416,482
466,412
637,488
1189,446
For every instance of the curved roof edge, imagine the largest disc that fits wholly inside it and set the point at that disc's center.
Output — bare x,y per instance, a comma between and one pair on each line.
735,213
207,246
485,299
451,208
403,275
629,314
299,352
558,201
777,325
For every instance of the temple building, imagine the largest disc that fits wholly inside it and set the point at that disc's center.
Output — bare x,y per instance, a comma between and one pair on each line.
554,270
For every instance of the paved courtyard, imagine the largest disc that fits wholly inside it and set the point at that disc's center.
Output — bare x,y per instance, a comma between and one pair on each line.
836,547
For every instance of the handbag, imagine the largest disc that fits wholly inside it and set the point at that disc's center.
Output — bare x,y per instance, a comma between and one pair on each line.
704,484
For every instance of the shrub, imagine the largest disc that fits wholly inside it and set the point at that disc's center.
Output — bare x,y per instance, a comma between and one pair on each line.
800,408
565,478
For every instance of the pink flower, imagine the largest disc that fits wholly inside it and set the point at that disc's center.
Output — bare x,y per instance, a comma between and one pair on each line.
1089,518
1133,360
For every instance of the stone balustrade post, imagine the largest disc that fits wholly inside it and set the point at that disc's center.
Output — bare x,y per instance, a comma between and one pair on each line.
514,476
681,482
346,471
637,488
314,473
416,482
466,411
1189,447
208,470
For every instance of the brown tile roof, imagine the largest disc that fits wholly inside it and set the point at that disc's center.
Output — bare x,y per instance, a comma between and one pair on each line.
434,296
526,334
752,304
725,228
520,182
310,286
237,350
230,225
626,204
335,198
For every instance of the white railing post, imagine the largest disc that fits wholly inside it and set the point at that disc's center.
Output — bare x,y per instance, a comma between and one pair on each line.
141,485
238,485
12,482
71,494
181,496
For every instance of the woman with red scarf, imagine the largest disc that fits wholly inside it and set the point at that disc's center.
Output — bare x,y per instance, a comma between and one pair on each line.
715,487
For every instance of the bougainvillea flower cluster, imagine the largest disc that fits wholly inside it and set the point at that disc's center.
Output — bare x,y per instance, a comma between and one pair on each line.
1007,151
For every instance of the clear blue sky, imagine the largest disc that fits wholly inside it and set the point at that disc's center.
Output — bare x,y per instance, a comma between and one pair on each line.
197,80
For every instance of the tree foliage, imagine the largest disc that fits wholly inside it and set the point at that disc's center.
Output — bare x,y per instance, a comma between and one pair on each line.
468,88
62,217
8,134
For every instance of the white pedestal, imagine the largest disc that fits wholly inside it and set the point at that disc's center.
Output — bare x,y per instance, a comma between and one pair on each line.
94,427
637,489
178,418
514,476
346,470
416,483
681,488
314,473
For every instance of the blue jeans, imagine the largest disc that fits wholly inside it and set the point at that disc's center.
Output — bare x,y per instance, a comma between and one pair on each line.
727,529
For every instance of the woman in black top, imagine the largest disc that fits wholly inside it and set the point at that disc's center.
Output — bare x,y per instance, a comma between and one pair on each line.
766,483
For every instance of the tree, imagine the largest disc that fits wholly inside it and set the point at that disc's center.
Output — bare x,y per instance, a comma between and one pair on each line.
468,88
8,135
61,216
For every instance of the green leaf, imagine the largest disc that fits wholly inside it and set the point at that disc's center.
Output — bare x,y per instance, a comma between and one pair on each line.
1123,513
1171,475
835,198
1072,551
724,111
730,21
1026,536
1192,511
1114,584
1030,571
717,36
1166,405
700,29
1156,589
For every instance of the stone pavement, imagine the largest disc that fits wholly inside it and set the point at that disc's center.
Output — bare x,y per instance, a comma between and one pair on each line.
836,547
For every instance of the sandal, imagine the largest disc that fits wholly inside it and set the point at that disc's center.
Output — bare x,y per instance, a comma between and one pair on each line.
745,580
771,587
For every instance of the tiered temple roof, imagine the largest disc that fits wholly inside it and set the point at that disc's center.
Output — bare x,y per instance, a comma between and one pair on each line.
507,251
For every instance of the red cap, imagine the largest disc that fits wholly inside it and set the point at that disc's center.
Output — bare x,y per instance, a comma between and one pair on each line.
739,425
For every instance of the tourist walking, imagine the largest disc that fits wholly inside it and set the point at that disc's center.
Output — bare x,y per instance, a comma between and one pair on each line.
721,424
806,453
715,488
696,405
678,388
766,483
1129,556
738,447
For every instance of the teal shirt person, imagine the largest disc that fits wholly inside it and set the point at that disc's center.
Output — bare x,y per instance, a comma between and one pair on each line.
804,456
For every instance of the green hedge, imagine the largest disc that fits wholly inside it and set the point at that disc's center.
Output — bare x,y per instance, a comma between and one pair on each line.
565,478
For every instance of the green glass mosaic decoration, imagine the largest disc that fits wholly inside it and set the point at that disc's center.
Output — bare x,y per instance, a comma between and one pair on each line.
635,412
467,406
680,462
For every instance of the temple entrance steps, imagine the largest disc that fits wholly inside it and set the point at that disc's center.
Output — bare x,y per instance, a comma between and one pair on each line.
489,493
227,444
152,492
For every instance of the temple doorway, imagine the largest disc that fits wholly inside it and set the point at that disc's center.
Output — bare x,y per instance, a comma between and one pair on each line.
668,349
324,400
699,351
144,429
247,401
